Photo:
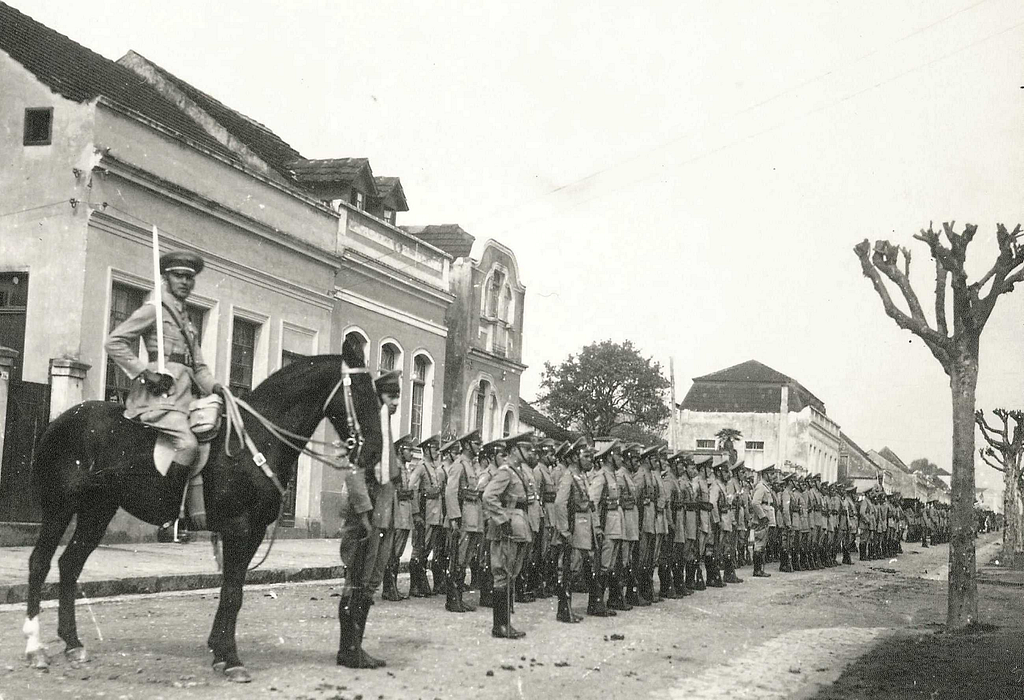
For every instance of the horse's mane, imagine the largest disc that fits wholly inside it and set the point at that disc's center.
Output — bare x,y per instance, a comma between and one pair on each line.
291,384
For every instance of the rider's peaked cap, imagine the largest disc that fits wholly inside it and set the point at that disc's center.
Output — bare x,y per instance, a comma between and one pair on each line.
389,382
181,261
433,441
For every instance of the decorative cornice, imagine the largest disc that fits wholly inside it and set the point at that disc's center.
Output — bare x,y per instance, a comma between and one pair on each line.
497,360
390,312
393,277
131,232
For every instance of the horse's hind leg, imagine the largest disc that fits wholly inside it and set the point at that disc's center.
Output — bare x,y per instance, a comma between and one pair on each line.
92,523
50,531
240,546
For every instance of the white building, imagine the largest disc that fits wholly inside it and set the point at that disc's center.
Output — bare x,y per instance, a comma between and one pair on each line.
781,422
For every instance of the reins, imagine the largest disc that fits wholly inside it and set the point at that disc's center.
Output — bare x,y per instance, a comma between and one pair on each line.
235,430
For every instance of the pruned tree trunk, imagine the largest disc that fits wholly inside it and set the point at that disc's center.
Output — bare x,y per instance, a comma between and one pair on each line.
962,603
1012,553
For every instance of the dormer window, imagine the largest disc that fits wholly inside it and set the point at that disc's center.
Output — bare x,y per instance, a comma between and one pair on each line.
389,216
358,200
38,126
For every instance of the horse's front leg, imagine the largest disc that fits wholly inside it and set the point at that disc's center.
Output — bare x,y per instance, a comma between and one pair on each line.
240,544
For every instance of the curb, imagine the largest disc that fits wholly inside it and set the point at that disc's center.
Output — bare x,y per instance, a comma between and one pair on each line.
140,585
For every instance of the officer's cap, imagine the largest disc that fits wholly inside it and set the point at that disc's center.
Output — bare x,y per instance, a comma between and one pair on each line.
452,445
763,469
608,449
720,461
578,445
181,261
471,436
548,444
389,382
404,441
739,465
703,460
433,442
489,449
653,449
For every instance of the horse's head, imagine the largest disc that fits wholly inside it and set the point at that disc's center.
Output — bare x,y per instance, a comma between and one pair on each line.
354,410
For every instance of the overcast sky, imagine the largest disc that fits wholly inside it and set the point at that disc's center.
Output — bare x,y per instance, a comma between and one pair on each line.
691,177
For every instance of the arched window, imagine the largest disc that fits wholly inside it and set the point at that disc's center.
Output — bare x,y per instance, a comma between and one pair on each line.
481,404
421,366
506,428
360,340
389,357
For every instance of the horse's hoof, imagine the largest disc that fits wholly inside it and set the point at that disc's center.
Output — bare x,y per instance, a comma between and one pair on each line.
78,655
237,674
38,659
219,666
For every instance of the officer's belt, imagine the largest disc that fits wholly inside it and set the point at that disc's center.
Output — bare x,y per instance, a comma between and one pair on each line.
548,496
432,494
404,494
179,357
628,502
610,503
469,494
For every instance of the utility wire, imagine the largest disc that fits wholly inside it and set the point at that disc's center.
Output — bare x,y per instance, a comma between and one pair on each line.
71,202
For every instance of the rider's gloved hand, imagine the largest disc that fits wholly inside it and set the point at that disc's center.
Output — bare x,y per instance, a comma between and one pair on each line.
157,384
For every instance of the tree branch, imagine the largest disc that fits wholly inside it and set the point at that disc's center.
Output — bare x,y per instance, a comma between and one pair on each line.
990,463
941,275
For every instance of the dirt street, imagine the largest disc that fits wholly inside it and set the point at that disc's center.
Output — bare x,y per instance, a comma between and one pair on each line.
792,634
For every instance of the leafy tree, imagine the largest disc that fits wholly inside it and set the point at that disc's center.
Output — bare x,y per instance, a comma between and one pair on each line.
726,438
608,389
957,352
1004,454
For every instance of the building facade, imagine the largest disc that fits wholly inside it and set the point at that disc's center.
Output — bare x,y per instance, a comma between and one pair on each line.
299,253
483,356
855,466
780,421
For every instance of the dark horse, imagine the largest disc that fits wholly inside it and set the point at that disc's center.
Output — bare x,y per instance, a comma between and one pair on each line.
91,461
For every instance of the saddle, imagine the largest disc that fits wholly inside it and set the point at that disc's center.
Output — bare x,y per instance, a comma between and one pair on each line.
204,418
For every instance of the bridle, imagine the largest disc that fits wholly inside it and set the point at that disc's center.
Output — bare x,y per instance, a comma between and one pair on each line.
354,441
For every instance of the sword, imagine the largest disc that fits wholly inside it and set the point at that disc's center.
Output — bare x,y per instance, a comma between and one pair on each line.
158,302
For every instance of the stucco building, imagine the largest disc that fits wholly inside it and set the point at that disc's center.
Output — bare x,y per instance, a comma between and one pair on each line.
483,357
781,422
300,253
856,466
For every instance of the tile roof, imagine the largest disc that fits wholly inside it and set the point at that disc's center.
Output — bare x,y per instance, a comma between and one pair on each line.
391,188
451,238
749,387
330,170
81,75
530,416
258,138
753,373
892,457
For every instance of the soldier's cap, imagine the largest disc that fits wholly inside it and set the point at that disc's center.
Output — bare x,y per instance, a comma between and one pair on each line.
653,449
494,447
181,261
608,449
816,477
763,469
787,476
450,446
471,436
720,461
404,441
675,457
434,441
824,483
561,449
577,446
739,465
852,488
389,382
548,444
632,449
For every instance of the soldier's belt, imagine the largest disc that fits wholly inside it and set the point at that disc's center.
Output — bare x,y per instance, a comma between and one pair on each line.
179,357
548,496
469,494
531,497
404,494
610,503
644,500
628,502
521,505
431,494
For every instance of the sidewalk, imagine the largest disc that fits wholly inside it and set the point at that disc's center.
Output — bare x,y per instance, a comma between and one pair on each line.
151,567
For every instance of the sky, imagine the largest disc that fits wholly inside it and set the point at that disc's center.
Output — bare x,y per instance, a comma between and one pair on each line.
688,176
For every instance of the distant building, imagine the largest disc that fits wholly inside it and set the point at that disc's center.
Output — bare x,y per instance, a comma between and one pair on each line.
781,421
897,476
855,466
483,356
532,419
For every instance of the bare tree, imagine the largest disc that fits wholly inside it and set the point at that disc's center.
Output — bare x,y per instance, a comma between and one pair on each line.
958,355
1004,452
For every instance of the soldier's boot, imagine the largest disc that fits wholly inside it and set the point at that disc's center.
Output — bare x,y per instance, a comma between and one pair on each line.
682,577
565,613
486,587
698,576
863,550
437,568
522,593
714,577
542,586
474,577
629,584
460,586
785,563
899,546
759,566
636,591
669,581
615,601
730,572
924,542
390,591
584,583
417,576
644,580
352,612
596,605
502,616
846,556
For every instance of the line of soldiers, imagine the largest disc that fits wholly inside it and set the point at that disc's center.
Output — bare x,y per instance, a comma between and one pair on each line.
530,518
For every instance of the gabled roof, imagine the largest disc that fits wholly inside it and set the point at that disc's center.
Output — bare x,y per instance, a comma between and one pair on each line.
860,450
258,138
530,416
76,73
332,171
749,387
451,238
390,192
892,457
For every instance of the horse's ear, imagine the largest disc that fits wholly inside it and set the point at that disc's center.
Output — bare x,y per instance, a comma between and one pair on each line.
352,352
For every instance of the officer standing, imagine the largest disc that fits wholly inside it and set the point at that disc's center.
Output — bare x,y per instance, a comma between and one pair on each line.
547,544
525,458
368,533
428,481
405,498
763,505
785,518
608,531
626,578
465,517
505,500
649,495
700,477
572,519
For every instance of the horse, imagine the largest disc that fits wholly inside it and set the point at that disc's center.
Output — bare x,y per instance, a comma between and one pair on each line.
91,461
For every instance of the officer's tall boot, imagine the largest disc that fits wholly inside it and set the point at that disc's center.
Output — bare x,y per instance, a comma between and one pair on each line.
542,587
502,617
596,605
665,589
714,577
486,586
615,601
698,576
390,590
785,562
683,576
730,571
437,568
460,585
863,550
759,566
846,555
565,613
584,583
474,576
522,592
415,583
641,581
352,612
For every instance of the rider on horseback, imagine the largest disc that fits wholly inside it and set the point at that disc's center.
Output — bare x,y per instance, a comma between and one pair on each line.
159,400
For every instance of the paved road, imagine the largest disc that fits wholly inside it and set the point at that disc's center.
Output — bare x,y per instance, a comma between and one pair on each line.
769,638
